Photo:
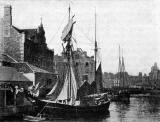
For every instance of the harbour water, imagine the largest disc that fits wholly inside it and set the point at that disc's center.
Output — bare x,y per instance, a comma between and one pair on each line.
139,109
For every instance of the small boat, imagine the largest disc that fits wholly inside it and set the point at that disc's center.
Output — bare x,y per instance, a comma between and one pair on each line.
33,118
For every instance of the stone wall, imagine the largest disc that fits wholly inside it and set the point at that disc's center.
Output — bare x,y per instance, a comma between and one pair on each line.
83,67
13,45
1,37
25,45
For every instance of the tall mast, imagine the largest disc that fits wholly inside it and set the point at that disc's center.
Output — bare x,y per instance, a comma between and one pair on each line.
95,50
123,70
69,12
119,57
69,51
119,67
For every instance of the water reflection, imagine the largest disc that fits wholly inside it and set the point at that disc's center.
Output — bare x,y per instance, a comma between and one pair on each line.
149,107
86,119
139,109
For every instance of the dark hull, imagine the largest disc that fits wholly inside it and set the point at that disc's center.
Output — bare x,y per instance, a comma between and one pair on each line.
56,110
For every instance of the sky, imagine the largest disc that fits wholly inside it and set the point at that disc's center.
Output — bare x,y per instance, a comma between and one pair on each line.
132,24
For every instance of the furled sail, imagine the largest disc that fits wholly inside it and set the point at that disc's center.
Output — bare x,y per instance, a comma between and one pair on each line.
98,72
98,78
67,31
98,56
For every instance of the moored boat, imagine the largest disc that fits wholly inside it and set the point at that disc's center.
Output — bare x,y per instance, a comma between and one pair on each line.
66,104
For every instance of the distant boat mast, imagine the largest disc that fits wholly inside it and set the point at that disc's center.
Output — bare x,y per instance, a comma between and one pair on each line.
121,69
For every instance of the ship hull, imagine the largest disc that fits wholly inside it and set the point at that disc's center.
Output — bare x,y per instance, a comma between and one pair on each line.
57,110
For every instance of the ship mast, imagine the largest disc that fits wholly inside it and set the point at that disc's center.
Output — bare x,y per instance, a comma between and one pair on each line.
123,71
69,89
97,71
69,56
119,68
95,50
69,12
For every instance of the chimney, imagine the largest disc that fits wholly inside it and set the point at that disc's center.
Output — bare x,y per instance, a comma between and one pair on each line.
7,20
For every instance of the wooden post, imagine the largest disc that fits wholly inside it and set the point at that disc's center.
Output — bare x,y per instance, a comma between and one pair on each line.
5,96
15,98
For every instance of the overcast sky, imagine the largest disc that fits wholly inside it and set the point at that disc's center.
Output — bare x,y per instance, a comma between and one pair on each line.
133,24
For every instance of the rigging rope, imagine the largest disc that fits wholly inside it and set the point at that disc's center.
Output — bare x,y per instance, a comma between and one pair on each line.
91,40
57,30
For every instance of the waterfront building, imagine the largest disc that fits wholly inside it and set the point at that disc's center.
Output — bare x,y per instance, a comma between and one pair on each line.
8,80
44,78
25,60
84,65
27,47
12,86
84,70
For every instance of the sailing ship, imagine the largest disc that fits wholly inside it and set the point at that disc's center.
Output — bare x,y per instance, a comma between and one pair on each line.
120,87
66,104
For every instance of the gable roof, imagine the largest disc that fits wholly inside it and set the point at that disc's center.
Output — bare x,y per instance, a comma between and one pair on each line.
36,69
29,33
11,74
25,30
6,58
28,68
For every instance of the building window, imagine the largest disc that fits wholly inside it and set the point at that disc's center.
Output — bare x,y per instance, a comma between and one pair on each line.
85,77
76,63
87,64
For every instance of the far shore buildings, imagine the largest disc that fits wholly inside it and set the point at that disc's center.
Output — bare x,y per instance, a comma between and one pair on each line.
154,76
151,81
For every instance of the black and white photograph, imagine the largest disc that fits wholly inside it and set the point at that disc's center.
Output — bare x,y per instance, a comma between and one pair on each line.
79,60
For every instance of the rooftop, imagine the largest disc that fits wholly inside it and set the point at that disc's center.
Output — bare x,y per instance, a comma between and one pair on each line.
11,74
